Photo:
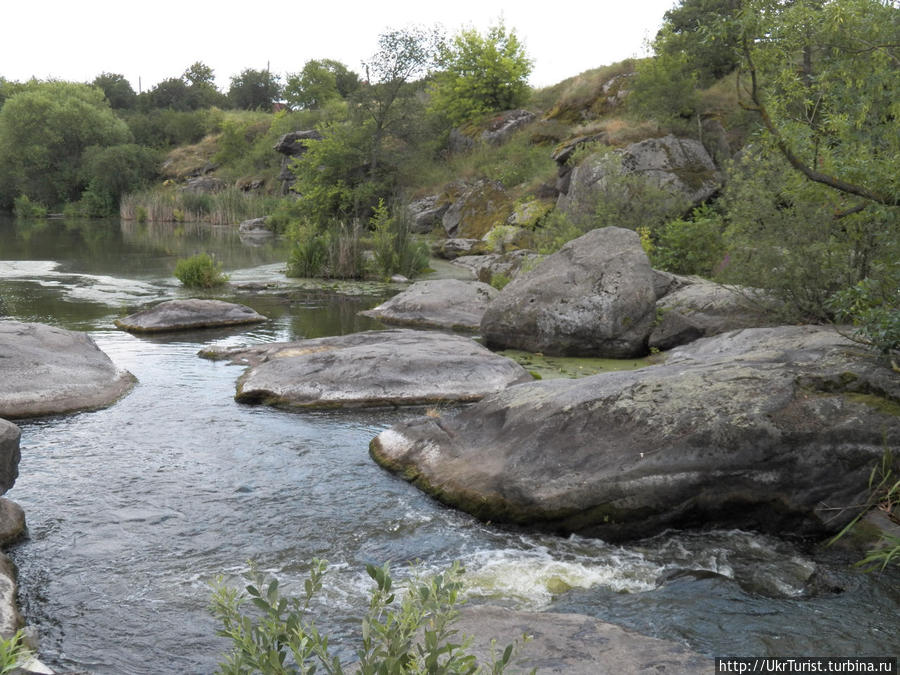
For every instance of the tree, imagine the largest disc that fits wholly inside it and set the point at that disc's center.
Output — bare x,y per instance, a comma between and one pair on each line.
117,89
172,93
480,74
254,89
44,131
201,84
682,34
402,56
320,81
823,78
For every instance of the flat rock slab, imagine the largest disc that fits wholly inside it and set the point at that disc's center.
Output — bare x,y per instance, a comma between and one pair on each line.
46,370
574,644
378,368
444,303
175,315
773,429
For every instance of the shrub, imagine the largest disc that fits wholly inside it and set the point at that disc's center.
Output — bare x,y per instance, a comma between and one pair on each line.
394,250
412,635
309,252
690,246
873,307
24,208
200,271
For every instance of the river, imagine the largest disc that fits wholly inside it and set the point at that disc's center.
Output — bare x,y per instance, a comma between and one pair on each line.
135,509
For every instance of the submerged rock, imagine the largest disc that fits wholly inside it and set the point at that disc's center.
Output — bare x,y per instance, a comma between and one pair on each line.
574,644
594,297
174,315
442,303
769,429
378,368
48,370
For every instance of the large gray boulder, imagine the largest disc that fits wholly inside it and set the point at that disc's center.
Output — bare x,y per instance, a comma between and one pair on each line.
443,303
426,213
574,644
9,455
774,429
703,308
492,265
680,167
48,370
190,314
593,297
378,368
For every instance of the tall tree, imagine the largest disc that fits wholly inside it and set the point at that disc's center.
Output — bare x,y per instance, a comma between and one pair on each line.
320,81
480,74
254,89
117,89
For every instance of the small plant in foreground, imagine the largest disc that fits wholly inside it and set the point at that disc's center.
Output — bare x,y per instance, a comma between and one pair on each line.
13,653
412,634
200,271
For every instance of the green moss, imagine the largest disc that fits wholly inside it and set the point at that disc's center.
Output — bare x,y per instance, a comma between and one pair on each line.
555,367
880,403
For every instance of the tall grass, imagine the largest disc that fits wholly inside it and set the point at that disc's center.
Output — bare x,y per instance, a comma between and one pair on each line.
168,205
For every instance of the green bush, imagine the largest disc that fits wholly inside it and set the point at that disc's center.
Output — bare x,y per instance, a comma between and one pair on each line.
24,208
309,252
402,632
200,271
873,307
690,246
394,250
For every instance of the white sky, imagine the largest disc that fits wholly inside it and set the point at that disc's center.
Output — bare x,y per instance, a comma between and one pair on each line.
154,40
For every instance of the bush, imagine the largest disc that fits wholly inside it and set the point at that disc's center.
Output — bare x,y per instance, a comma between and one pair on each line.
200,271
690,246
309,252
873,307
394,251
24,208
412,635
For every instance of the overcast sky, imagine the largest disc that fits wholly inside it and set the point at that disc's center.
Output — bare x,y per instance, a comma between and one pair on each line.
151,41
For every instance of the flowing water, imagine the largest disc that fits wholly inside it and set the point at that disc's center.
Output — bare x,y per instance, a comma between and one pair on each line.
135,509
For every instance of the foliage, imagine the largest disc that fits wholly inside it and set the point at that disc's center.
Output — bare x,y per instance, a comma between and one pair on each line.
884,493
254,89
200,271
480,74
168,204
309,252
117,89
169,128
13,653
44,131
195,89
872,305
394,250
790,236
822,77
665,89
320,81
26,209
414,634
690,246
683,35
112,171
333,252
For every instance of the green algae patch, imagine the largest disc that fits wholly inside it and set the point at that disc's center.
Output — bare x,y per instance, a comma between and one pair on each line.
880,403
555,367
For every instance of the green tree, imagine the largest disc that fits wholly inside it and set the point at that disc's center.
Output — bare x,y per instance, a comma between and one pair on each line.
117,89
320,81
480,74
172,93
44,132
254,89
201,87
683,35
110,172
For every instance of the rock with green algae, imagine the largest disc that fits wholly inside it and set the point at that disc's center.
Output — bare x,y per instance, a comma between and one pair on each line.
442,303
750,429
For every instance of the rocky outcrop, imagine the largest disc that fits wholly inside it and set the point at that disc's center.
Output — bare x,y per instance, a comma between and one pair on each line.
48,371
574,644
505,124
204,185
772,429
444,303
456,247
255,227
593,297
479,208
427,213
9,455
191,314
679,166
378,368
488,266
702,309
293,145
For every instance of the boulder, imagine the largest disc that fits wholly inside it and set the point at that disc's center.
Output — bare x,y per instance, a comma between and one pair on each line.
10,618
12,522
9,455
426,213
204,185
443,303
701,309
498,264
478,209
191,314
454,248
771,429
378,368
593,297
680,166
255,227
293,144
505,124
574,644
48,371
